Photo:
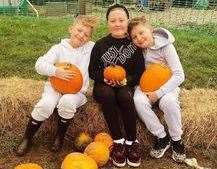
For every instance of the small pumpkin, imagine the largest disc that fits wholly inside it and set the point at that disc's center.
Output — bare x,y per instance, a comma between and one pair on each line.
114,72
28,166
104,138
82,140
78,161
72,86
99,152
154,77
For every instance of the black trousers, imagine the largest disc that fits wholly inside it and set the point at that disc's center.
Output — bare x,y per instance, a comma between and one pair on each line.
117,102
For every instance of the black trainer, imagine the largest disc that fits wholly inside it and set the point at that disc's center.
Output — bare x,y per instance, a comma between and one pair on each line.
178,151
161,145
134,154
118,155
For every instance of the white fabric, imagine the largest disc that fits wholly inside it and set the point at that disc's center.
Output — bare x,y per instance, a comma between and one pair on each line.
169,104
165,53
64,52
67,104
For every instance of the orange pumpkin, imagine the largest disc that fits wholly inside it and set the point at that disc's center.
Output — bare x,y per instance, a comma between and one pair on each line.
154,77
104,138
82,140
78,161
67,87
99,152
114,72
28,166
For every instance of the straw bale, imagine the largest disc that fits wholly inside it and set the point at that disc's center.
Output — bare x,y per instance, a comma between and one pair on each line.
18,96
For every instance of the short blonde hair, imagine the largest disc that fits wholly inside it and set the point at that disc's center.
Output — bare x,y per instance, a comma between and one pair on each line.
86,20
136,21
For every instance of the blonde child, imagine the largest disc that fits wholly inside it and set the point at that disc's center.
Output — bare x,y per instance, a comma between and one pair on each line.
157,45
75,50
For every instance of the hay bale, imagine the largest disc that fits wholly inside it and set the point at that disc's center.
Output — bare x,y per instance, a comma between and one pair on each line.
18,96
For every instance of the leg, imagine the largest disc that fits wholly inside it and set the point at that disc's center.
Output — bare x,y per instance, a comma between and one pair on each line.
105,95
125,101
169,104
147,115
133,148
42,110
66,108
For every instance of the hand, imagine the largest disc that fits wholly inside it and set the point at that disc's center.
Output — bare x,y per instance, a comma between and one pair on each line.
152,96
64,74
114,83
110,82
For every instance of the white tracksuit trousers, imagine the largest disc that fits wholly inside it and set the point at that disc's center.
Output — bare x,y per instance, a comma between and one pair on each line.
169,104
66,104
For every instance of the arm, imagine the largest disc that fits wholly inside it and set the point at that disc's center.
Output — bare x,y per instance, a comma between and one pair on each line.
133,79
174,64
86,74
45,64
95,67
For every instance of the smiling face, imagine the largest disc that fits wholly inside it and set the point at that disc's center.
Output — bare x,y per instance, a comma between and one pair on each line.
80,34
142,36
117,23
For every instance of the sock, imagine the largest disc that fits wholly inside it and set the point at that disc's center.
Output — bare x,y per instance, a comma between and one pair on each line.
119,141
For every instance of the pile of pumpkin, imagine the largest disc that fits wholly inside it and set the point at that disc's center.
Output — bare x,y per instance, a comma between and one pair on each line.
91,153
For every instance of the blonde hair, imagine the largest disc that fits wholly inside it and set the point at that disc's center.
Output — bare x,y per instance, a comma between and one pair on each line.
136,21
86,20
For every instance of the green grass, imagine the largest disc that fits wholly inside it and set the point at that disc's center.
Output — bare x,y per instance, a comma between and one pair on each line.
24,39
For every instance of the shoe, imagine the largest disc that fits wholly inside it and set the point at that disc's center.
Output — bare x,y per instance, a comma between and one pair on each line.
160,147
178,151
26,143
118,155
62,127
134,154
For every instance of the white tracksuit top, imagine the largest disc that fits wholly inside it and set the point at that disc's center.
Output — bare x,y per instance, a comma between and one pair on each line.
165,53
64,52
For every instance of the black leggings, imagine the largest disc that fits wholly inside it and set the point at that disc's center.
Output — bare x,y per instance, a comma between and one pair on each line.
117,102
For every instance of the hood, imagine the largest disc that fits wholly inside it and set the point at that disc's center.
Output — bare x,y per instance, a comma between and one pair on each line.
66,43
162,37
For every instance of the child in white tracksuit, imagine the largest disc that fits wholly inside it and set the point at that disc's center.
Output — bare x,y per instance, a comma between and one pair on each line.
75,50
158,48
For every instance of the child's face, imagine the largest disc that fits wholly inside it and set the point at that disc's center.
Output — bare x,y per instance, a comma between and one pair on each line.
80,34
117,23
142,36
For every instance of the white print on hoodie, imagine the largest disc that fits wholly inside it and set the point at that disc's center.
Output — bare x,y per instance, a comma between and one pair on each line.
165,53
64,52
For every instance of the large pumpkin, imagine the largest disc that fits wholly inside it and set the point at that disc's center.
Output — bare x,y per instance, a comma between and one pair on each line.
99,152
82,140
78,161
114,72
154,77
67,87
28,166
104,138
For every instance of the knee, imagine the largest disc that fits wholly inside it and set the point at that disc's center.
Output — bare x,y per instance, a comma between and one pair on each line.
104,93
66,107
168,102
43,111
125,96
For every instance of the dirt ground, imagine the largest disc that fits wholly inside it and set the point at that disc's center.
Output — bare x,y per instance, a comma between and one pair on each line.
41,155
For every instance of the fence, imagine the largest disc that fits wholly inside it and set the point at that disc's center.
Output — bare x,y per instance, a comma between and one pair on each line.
161,11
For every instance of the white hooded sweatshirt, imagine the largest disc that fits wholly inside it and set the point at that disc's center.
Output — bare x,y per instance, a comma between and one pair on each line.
165,53
64,52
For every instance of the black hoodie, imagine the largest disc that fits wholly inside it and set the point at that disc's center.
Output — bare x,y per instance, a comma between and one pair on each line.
123,52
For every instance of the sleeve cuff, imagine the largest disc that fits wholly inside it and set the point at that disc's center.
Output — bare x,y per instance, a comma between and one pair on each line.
159,93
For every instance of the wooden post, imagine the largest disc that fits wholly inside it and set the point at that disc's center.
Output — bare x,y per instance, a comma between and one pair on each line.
82,7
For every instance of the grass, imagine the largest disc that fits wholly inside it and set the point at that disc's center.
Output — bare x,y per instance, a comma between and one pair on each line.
24,39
